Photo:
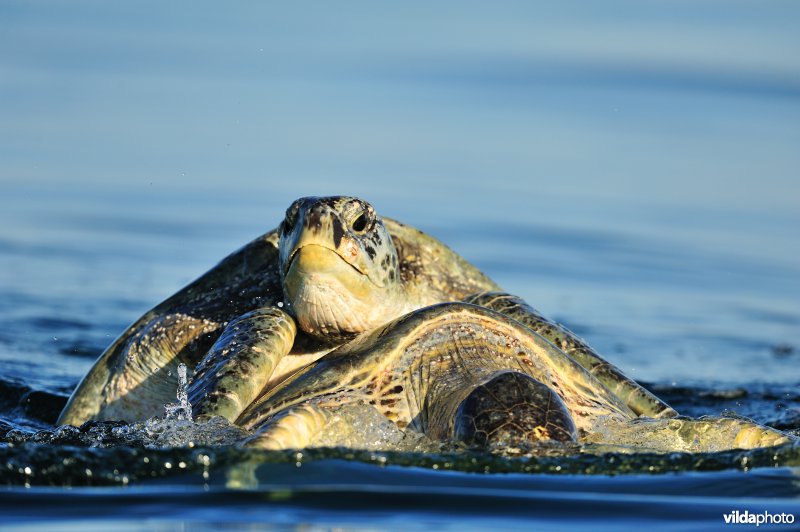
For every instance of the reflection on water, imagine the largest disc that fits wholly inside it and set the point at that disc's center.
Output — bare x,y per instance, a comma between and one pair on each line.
630,169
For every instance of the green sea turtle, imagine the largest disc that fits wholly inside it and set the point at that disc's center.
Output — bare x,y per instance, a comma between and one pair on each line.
457,371
339,308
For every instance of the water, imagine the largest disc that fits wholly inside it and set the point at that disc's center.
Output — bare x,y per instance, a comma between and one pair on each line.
182,410
630,169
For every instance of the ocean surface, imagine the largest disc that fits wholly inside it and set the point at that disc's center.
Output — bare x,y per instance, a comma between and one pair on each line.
629,168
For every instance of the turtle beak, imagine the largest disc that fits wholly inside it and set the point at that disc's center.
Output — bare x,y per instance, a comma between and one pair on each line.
303,237
312,254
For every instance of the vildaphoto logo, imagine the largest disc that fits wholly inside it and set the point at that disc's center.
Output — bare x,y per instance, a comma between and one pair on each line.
764,518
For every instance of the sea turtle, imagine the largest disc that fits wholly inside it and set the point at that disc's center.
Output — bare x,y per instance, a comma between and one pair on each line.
459,371
339,307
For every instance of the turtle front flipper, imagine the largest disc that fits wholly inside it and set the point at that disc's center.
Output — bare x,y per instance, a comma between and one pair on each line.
294,428
344,422
135,375
707,434
511,410
637,398
239,365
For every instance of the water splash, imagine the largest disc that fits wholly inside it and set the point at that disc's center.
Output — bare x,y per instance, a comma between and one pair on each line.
182,410
361,426
154,433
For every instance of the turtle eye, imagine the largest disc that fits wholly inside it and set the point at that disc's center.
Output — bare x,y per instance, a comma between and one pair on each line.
359,225
360,217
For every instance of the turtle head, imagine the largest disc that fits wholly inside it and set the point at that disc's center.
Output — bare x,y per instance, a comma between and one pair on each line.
339,267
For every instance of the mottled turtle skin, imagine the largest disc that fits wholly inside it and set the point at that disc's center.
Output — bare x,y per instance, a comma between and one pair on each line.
338,307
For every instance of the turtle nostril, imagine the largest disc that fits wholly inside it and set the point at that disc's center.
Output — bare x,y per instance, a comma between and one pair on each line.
360,223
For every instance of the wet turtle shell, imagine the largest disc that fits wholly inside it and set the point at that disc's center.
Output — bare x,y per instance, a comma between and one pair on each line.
458,371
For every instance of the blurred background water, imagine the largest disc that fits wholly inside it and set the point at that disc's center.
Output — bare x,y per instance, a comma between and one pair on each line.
630,168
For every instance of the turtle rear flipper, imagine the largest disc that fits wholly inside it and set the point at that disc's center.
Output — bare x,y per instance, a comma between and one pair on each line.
511,410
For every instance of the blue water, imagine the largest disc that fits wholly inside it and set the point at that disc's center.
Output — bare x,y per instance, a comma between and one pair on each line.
629,168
